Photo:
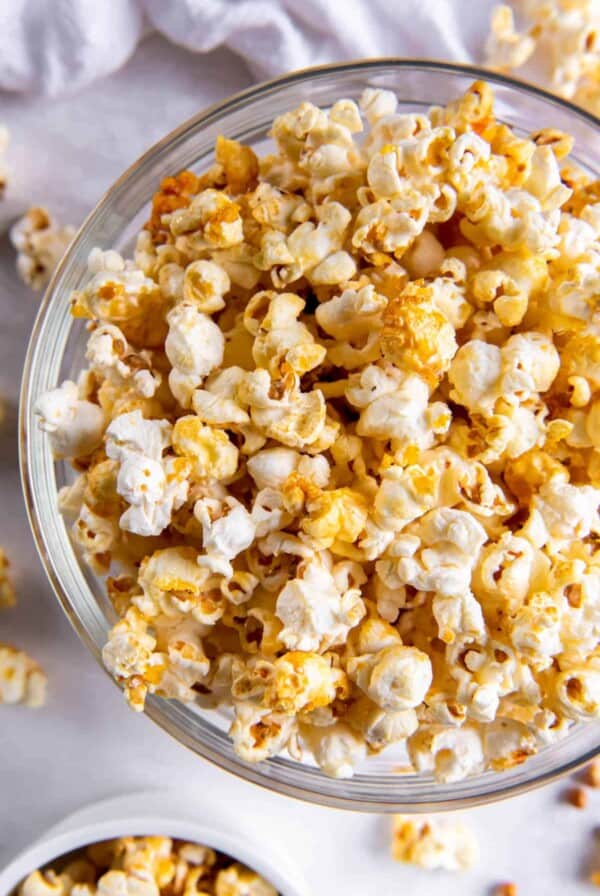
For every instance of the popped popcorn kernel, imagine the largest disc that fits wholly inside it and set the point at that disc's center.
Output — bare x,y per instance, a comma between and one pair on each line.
337,436
433,843
40,243
21,679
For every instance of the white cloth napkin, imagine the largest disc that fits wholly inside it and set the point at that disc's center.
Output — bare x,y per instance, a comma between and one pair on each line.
57,46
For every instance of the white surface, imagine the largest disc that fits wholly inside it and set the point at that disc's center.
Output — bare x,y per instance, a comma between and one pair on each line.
159,814
86,744
81,41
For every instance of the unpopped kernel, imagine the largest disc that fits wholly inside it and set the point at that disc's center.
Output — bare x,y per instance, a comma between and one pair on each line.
338,440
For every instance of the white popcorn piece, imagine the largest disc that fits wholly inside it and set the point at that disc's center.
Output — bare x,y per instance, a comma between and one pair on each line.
395,678
40,245
194,346
433,843
152,486
74,425
337,749
449,753
227,530
258,733
315,612
21,679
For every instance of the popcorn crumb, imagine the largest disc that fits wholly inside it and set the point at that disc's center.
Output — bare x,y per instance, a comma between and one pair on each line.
40,243
433,843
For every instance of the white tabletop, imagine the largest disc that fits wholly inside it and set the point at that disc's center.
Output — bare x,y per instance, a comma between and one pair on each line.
86,744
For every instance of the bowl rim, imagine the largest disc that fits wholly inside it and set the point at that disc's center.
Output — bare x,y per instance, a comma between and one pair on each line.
237,767
144,815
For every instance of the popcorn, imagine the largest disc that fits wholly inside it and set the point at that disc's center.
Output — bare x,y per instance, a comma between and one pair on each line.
350,391
21,679
337,749
194,346
416,336
316,613
147,866
152,486
566,35
40,245
395,678
7,588
74,425
227,530
433,843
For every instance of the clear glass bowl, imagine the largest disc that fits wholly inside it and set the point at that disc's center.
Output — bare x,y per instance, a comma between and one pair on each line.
56,351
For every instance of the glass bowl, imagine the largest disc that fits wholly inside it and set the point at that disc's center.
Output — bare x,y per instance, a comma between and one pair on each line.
56,351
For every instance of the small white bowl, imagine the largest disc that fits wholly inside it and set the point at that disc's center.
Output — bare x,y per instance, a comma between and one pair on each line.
159,814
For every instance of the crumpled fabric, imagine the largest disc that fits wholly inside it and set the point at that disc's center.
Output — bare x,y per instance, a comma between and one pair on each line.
58,46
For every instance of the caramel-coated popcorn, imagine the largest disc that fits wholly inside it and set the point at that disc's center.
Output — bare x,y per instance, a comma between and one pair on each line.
338,440
147,866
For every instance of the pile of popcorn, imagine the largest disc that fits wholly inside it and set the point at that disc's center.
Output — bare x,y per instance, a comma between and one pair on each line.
562,36
147,866
338,440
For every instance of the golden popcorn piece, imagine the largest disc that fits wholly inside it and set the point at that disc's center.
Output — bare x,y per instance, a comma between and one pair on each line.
416,336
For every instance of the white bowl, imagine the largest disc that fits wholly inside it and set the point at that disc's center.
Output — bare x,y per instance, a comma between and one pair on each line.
160,814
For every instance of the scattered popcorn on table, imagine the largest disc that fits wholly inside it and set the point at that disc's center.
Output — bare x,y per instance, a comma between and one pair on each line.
21,679
147,866
7,588
433,843
40,243
564,33
338,441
